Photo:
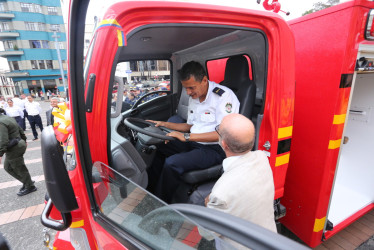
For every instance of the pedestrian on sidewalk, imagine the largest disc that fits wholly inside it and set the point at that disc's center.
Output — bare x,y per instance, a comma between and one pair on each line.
20,102
13,144
48,113
33,110
15,112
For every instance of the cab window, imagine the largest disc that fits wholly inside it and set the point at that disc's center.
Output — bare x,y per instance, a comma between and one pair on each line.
216,69
145,217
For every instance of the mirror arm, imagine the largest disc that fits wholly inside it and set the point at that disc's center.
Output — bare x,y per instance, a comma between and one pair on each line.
53,224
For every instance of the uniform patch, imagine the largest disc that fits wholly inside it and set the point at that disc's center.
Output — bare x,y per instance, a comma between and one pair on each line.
228,107
218,91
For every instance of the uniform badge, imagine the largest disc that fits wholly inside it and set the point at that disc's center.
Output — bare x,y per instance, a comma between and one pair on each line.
228,107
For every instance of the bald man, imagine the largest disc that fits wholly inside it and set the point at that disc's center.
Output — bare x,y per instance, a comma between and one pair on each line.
246,188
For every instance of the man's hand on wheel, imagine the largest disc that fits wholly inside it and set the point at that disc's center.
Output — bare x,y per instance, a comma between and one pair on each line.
177,135
158,123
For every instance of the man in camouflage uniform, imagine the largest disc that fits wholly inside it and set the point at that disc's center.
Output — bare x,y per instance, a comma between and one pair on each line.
13,144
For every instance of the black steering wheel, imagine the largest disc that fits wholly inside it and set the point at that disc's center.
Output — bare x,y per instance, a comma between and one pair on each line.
148,128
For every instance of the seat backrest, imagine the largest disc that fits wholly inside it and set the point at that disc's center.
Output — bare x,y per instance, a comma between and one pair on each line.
182,109
237,79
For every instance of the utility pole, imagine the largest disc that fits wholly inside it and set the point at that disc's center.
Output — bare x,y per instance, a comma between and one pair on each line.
55,36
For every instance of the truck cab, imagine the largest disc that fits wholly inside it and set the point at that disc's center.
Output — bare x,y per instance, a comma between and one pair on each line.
139,42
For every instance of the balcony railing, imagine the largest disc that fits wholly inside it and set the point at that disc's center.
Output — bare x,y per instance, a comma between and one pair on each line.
16,73
6,15
8,34
11,53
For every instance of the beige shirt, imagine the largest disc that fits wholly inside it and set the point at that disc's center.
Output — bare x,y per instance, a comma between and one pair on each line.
246,189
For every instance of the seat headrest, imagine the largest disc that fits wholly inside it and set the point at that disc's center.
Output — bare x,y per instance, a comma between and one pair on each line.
237,71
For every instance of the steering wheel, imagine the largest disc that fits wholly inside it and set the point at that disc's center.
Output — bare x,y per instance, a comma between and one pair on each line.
148,128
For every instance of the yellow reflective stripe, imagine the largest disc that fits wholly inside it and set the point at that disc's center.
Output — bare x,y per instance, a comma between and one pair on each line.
120,38
281,160
319,224
284,132
109,21
77,224
339,119
333,144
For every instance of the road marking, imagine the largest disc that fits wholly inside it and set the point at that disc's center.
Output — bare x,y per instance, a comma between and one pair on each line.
27,162
21,214
33,149
3,185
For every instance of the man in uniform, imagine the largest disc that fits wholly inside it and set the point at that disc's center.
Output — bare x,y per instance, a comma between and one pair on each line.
196,146
13,144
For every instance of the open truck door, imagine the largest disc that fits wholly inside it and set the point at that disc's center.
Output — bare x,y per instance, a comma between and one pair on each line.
330,181
107,170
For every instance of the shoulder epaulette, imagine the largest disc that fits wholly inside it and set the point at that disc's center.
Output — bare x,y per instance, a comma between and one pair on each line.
218,91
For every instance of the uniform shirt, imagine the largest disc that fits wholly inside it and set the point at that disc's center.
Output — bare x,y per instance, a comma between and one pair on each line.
205,116
14,111
9,129
33,108
19,103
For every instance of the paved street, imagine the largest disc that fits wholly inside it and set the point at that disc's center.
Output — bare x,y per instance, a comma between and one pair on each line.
20,216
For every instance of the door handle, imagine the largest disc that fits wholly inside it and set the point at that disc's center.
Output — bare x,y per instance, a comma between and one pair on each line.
267,145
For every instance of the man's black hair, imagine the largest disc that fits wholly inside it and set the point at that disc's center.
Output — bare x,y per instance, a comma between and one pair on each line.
192,69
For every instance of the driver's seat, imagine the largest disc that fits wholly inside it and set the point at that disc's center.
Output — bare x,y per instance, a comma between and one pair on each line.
237,79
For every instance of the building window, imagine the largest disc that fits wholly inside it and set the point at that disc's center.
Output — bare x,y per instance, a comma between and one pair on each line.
2,7
35,44
38,8
27,7
59,45
41,64
55,27
134,66
49,64
64,65
15,65
10,44
45,44
52,10
163,65
4,26
34,64
35,26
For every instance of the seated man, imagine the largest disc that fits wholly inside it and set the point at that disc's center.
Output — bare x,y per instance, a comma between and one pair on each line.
196,146
246,188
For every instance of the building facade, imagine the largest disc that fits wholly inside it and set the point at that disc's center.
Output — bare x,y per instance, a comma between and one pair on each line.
29,30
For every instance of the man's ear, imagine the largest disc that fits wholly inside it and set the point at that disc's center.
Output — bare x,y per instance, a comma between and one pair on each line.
224,145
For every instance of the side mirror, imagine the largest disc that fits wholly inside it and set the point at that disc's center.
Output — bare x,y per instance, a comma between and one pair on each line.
57,180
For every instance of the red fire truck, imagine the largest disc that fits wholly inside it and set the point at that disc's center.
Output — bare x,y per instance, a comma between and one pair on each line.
97,195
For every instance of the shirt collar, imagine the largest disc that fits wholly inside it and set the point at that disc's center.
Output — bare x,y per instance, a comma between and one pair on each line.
210,89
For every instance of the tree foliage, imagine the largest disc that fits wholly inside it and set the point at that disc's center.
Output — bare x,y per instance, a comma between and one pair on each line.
321,5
